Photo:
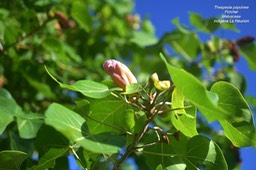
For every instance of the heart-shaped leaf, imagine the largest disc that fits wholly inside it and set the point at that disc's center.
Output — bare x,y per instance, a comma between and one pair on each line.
8,108
195,153
107,115
29,124
74,127
242,124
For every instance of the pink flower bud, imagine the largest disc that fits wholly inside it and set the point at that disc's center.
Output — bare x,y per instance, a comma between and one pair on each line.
120,73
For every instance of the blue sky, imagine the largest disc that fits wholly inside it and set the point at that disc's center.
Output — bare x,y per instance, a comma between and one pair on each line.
162,12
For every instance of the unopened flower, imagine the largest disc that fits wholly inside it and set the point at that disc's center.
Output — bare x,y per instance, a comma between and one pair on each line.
120,73
154,77
162,85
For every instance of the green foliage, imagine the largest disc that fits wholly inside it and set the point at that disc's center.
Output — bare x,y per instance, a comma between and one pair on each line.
248,51
56,100
74,127
199,151
11,159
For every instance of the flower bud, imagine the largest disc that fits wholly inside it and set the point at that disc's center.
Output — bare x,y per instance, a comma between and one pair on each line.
154,77
160,85
120,73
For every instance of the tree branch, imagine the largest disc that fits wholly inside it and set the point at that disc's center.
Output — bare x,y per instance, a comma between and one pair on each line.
136,140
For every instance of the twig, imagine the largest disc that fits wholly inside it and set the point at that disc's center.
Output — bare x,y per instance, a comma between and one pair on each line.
146,145
151,114
136,140
77,157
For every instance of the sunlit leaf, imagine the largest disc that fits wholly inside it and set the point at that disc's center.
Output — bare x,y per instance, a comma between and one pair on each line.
229,26
180,27
203,152
242,123
74,127
121,7
238,80
204,25
132,88
248,52
196,93
129,120
178,102
159,167
86,87
143,39
232,100
185,44
186,123
28,125
107,115
8,108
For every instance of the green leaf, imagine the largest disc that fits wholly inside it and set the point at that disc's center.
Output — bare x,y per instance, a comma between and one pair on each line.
185,44
159,167
48,160
186,123
202,151
245,131
5,120
144,39
19,144
229,26
132,88
180,27
28,125
129,120
242,124
148,26
252,101
43,143
12,32
107,115
88,88
204,25
8,108
170,156
178,102
232,101
196,93
12,160
185,154
248,52
80,14
238,80
41,87
121,7
74,127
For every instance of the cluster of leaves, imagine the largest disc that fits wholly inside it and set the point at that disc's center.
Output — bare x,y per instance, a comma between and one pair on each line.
41,124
